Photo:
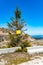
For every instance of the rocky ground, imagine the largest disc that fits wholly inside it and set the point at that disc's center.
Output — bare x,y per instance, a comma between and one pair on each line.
21,59
14,58
35,60
38,61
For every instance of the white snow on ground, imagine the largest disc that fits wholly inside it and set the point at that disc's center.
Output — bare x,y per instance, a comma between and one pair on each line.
8,50
35,49
38,61
3,62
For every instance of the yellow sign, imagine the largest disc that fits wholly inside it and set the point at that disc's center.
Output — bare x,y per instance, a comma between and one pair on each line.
18,31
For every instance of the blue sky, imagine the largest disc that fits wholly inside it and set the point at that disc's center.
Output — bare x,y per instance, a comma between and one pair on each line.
32,13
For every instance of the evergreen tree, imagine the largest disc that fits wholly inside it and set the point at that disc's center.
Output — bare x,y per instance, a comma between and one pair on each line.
16,25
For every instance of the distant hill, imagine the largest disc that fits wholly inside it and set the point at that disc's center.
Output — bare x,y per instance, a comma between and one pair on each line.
4,37
5,30
38,36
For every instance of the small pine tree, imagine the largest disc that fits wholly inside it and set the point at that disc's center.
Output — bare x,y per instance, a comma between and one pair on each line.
16,24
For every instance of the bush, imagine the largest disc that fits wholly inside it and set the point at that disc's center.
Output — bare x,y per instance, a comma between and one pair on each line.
7,45
3,47
25,49
21,50
18,50
26,43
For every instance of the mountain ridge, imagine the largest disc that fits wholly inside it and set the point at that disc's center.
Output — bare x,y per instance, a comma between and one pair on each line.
38,36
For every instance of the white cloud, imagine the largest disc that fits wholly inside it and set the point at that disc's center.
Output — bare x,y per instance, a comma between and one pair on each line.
35,30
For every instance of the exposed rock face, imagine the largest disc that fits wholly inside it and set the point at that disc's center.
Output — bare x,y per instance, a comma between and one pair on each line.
30,38
3,36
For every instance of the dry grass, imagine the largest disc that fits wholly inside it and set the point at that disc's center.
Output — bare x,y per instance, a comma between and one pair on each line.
15,58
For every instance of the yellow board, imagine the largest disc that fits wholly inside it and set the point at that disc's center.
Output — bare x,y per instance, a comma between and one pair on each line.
18,31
